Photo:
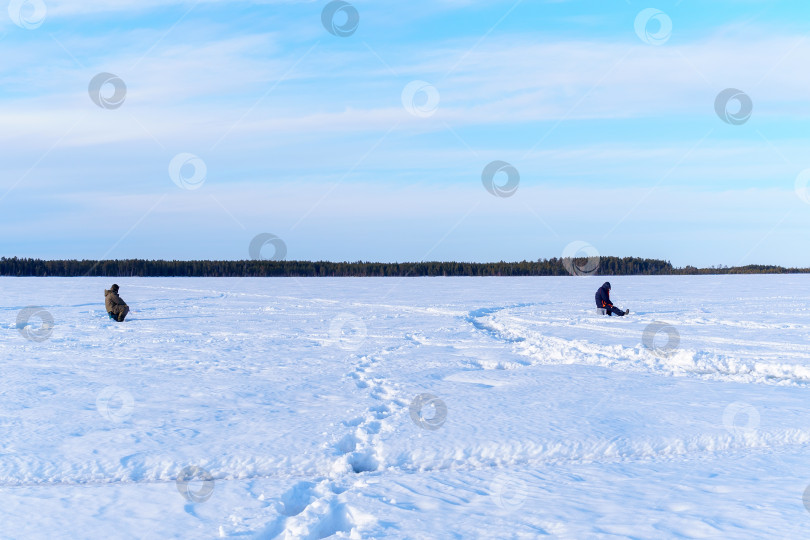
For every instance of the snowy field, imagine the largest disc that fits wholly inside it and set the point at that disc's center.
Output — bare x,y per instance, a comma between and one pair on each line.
288,408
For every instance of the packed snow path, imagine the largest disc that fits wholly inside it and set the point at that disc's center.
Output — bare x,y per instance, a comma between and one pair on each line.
406,408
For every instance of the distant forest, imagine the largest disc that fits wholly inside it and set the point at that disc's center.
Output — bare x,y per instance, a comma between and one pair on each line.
614,266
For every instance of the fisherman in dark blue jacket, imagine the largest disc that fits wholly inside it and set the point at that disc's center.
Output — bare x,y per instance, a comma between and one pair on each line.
603,302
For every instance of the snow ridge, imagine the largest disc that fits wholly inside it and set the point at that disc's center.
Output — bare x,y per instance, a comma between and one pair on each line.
544,349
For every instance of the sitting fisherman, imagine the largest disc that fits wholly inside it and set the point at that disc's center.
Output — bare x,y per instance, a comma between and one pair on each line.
116,307
603,303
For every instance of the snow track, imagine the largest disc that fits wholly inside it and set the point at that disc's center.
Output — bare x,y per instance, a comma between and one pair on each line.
319,509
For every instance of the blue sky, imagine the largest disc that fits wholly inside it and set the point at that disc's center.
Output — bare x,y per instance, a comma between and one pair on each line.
307,135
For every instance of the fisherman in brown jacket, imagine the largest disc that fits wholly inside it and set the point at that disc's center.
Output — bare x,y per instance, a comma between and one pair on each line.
116,308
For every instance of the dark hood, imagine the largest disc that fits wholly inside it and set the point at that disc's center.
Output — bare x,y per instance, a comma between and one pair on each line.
606,285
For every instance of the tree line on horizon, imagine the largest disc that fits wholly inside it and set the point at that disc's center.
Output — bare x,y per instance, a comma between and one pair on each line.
613,266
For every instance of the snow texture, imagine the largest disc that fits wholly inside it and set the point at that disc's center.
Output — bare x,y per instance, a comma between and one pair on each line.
405,408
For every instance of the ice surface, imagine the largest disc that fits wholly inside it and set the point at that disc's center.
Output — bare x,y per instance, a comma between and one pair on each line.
296,396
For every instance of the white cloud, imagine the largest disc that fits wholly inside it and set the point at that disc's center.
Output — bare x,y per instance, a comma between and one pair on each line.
199,90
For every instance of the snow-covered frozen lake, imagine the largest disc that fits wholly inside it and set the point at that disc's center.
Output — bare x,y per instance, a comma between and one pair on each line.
290,408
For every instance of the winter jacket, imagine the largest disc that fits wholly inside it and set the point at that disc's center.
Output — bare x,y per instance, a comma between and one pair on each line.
603,296
112,300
